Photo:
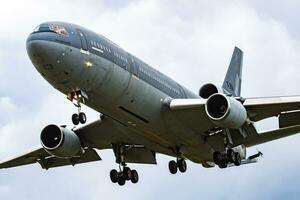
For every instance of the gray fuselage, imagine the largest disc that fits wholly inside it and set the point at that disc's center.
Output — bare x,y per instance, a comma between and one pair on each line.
119,85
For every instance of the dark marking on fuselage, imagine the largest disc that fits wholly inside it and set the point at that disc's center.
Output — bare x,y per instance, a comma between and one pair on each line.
135,115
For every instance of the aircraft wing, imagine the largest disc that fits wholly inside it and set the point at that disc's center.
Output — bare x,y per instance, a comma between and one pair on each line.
287,109
192,113
39,155
97,135
268,136
261,108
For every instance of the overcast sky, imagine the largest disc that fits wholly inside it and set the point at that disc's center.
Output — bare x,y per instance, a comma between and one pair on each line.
192,42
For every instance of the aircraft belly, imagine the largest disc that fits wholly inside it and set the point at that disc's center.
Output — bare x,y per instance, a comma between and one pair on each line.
110,88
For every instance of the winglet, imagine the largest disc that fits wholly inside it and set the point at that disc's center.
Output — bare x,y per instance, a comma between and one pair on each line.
233,79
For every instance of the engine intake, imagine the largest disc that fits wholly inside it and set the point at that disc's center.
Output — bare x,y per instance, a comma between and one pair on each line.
60,142
226,112
209,89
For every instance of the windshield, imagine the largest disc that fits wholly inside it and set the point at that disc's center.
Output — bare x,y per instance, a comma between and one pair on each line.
51,28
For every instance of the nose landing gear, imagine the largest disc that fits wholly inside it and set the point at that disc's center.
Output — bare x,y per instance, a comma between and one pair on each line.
79,98
79,118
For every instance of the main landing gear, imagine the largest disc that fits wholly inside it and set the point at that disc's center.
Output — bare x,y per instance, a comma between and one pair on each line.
224,158
124,175
180,164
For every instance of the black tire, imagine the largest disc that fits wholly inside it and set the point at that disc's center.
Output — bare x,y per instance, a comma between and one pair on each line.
114,176
127,173
121,181
134,176
182,165
223,164
238,159
82,118
230,155
75,119
173,167
217,157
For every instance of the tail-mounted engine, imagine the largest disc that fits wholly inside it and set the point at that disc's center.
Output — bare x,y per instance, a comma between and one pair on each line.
226,112
209,89
60,142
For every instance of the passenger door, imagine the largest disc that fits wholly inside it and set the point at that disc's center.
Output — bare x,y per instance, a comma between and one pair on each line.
83,40
133,65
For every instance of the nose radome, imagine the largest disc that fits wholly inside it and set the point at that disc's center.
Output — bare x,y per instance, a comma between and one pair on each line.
34,47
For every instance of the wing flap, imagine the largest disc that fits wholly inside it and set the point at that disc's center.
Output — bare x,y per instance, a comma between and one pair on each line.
272,135
90,155
289,119
140,155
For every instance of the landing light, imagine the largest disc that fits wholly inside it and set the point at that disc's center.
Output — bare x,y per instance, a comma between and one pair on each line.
88,64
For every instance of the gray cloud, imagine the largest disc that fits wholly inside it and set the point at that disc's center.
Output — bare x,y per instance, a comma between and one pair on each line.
191,42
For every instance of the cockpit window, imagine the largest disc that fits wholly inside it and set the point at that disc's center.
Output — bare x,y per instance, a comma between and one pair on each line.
51,28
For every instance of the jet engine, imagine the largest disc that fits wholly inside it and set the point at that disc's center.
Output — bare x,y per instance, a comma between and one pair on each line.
226,112
60,142
209,89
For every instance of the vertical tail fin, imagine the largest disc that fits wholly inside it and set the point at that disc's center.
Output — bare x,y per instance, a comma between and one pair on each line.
233,79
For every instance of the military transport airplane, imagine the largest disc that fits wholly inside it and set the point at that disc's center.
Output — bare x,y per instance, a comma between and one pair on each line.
144,112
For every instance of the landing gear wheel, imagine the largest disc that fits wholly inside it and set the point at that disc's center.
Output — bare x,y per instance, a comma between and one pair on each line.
223,164
127,173
75,119
82,118
217,157
230,155
173,167
182,165
237,160
121,181
114,176
134,176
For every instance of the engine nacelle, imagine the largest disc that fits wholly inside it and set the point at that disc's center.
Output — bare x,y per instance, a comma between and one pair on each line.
209,89
60,142
226,112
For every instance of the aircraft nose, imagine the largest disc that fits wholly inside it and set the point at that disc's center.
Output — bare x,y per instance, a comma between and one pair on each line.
50,58
36,50
33,48
40,51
